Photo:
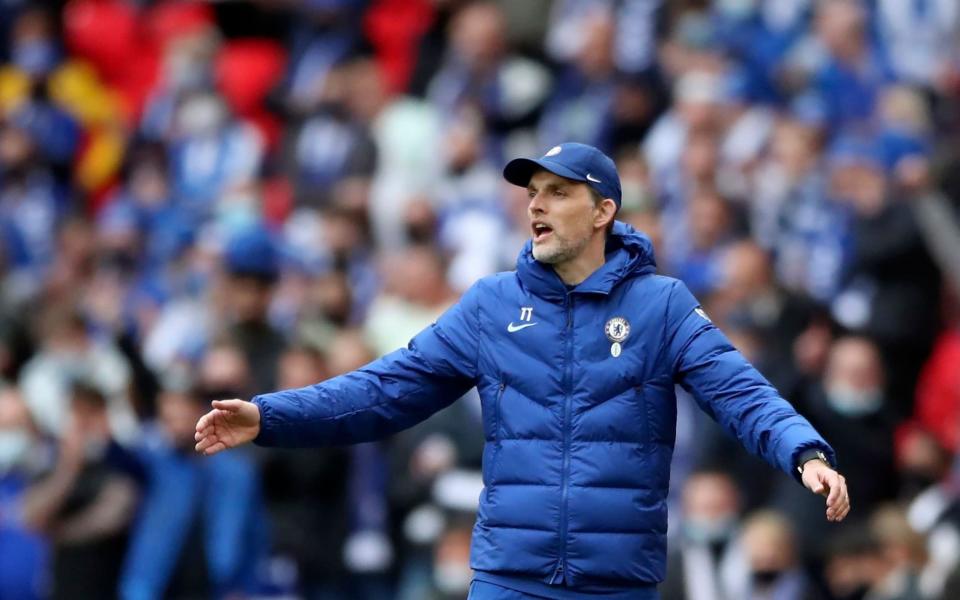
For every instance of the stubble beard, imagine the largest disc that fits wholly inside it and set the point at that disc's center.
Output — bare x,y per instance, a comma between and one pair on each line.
561,251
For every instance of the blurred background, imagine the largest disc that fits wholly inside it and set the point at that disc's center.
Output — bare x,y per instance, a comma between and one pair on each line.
207,200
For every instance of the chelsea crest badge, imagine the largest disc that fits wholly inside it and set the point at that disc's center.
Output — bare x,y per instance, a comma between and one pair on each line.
617,329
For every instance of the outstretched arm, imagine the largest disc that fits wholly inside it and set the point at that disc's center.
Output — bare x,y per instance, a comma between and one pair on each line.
742,401
385,396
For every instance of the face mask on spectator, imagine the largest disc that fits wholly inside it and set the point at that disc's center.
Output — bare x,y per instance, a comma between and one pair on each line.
736,8
94,449
853,402
186,72
121,260
765,577
709,531
14,444
452,577
201,116
35,57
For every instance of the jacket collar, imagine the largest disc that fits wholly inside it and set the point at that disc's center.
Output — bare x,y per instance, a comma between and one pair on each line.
629,253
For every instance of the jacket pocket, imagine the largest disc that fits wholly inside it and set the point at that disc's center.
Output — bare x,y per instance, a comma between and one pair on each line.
643,411
495,438
660,412
501,388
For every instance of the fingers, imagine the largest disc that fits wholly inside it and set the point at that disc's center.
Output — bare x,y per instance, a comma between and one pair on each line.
831,479
214,449
232,406
206,421
206,441
838,501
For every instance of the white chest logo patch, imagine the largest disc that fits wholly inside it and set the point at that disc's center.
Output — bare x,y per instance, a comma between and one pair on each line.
617,329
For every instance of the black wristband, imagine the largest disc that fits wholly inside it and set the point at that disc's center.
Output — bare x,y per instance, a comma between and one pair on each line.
811,454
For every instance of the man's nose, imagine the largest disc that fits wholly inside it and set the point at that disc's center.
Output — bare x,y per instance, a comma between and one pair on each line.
536,206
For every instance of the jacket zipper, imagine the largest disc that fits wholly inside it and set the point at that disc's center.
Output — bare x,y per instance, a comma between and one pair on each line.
568,381
496,412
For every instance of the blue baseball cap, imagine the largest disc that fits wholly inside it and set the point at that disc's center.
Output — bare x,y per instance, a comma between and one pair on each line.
252,252
578,162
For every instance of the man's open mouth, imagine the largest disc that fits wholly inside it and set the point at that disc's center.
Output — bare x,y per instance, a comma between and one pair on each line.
541,231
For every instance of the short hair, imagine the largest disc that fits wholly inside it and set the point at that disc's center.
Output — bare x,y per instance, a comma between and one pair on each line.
597,199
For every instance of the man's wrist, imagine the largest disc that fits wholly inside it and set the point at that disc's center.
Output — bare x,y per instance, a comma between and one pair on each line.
812,454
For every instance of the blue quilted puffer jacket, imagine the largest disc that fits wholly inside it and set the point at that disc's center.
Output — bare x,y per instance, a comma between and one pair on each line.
579,410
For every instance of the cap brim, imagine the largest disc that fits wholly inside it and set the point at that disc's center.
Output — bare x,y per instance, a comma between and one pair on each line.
519,170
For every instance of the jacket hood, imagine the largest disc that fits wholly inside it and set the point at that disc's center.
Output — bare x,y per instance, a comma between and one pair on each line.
629,253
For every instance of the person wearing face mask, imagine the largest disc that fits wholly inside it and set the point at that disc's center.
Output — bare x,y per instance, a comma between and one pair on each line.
854,563
850,406
850,403
770,548
708,562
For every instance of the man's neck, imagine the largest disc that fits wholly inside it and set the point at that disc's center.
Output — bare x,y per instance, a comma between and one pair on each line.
576,270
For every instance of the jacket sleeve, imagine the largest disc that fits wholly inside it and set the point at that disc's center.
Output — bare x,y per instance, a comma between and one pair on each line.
731,390
392,393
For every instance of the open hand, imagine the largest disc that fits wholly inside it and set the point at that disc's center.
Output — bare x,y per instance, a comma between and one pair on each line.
230,424
821,479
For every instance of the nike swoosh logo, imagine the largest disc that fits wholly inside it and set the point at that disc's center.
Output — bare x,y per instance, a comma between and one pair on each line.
511,328
592,178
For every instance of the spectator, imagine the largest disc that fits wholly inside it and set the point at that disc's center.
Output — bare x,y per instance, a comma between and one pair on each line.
328,141
792,215
415,293
710,229
846,69
584,92
772,558
854,563
303,493
851,403
890,274
32,204
479,70
918,38
85,504
68,353
903,552
708,562
252,267
200,530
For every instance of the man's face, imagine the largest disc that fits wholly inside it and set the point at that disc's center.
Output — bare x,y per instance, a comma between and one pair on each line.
249,298
562,214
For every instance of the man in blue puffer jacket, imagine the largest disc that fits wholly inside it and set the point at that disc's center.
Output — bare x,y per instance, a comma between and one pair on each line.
575,356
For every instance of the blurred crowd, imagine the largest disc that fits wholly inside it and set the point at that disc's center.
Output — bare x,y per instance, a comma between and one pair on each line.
214,200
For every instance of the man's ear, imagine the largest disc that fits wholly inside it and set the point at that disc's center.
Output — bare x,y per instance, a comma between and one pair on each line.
606,211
